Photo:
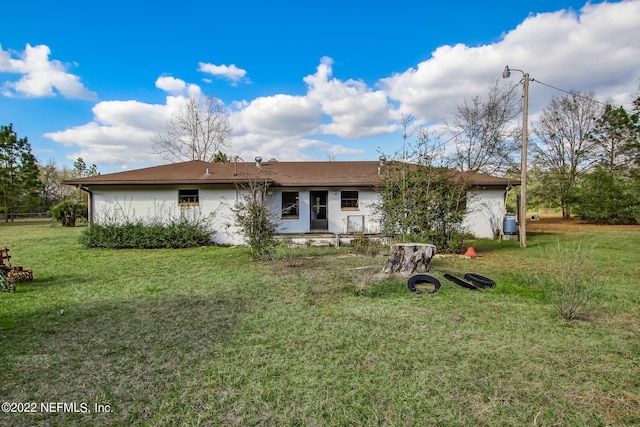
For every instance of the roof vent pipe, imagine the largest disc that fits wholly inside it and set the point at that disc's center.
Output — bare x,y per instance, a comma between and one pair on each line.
258,162
383,162
207,171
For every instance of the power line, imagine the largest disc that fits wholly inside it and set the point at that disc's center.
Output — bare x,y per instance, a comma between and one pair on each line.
537,81
482,117
569,92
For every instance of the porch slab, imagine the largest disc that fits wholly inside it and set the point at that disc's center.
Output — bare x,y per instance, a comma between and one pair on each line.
322,239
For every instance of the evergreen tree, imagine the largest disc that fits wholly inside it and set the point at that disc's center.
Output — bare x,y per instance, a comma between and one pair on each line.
616,133
19,173
607,195
604,198
633,147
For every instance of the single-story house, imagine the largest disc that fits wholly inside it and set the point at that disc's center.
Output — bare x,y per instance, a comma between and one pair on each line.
330,197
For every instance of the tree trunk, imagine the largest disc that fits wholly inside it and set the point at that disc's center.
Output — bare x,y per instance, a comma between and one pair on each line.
409,258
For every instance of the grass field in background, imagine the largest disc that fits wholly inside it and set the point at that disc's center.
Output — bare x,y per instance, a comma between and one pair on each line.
206,336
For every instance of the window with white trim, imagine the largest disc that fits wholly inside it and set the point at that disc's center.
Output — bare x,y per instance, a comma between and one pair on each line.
290,204
188,197
349,200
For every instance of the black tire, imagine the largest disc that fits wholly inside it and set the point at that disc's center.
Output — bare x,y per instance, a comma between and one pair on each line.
460,282
480,281
423,278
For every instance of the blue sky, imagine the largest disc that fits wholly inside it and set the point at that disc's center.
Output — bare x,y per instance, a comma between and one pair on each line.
301,82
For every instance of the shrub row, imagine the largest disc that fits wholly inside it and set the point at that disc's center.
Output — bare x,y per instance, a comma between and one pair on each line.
179,233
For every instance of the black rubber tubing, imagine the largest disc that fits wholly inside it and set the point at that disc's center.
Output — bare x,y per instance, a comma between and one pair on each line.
460,282
423,278
480,281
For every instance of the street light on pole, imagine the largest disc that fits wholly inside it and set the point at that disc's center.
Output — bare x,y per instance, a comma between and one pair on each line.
523,165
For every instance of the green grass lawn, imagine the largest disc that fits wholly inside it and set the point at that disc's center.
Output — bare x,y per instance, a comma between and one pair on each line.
206,336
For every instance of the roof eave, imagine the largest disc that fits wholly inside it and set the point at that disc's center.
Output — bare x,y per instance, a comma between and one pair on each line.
495,184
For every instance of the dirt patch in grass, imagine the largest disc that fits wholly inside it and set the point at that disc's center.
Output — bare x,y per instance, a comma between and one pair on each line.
553,223
627,323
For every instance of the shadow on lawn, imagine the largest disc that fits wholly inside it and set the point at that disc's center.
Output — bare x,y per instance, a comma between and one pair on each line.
139,356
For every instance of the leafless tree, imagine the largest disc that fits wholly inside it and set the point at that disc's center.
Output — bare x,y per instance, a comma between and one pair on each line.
199,130
53,191
566,148
485,138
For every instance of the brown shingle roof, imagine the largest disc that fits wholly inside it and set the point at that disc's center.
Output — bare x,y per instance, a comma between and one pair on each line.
286,174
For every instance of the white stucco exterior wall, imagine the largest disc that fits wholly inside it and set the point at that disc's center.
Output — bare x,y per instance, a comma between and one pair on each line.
485,211
160,203
337,217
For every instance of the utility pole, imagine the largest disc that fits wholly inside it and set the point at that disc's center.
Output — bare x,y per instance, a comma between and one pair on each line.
522,220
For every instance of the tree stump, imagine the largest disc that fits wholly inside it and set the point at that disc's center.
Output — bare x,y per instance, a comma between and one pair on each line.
409,258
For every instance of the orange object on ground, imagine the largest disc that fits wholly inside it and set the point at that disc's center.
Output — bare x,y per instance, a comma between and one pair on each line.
471,252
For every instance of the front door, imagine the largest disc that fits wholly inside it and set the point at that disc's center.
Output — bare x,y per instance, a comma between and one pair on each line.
319,220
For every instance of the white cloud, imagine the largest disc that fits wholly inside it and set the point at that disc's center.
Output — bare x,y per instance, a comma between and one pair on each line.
248,146
107,144
279,115
355,110
171,84
566,49
341,149
279,127
230,72
433,89
121,132
177,87
41,77
133,114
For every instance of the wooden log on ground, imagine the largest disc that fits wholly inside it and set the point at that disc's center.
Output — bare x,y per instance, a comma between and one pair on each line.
409,258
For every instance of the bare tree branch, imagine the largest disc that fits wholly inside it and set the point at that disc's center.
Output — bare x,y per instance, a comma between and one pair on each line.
566,146
485,140
198,131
